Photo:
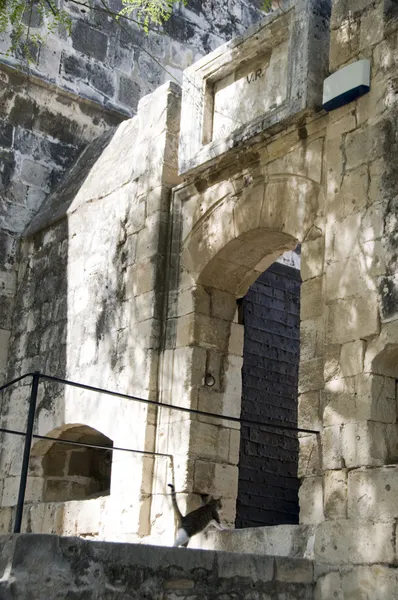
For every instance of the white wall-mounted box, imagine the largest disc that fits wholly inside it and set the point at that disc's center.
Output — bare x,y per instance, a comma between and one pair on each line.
346,85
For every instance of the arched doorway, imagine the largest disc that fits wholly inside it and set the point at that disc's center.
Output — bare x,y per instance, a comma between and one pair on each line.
226,241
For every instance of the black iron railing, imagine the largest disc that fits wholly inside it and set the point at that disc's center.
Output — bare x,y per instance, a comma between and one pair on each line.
29,435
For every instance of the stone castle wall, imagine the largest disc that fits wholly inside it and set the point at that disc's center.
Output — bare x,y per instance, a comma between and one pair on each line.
116,63
77,87
43,129
72,568
62,272
188,245
113,343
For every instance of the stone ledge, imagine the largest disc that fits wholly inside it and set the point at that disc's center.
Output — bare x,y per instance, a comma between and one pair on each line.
53,567
294,541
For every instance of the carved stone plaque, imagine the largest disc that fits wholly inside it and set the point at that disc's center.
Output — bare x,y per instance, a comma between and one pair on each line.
271,75
250,92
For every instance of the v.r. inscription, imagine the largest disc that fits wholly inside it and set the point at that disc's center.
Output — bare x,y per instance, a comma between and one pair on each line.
256,75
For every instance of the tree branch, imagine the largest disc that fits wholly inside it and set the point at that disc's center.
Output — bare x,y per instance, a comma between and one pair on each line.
51,7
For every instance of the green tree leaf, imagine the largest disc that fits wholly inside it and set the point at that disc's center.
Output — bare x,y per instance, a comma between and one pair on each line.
17,15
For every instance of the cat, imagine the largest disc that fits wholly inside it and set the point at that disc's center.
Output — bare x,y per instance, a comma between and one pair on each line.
196,521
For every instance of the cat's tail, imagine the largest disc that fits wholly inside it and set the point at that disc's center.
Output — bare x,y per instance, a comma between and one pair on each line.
174,501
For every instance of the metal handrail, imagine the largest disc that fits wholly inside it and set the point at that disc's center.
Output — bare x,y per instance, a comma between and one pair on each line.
84,444
176,407
37,376
9,383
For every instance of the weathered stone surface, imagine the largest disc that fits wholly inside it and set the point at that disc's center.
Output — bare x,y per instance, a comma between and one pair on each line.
311,305
329,586
312,255
309,463
311,338
218,478
299,570
89,41
71,567
98,60
371,493
100,331
378,580
331,447
309,410
262,81
82,84
214,134
353,318
311,501
359,398
335,494
344,44
311,375
127,284
354,541
4,339
364,444
352,356
285,540
381,352
6,520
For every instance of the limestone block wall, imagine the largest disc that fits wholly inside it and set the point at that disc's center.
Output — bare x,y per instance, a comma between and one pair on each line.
77,87
67,567
115,63
151,286
227,232
42,130
328,182
240,207
350,489
89,304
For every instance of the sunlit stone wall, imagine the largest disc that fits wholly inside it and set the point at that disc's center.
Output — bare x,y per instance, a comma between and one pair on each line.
293,175
88,308
329,182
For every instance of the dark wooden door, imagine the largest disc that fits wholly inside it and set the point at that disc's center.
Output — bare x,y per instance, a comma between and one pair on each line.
268,483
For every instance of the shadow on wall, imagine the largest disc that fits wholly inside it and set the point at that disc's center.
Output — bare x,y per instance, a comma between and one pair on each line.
38,342
359,405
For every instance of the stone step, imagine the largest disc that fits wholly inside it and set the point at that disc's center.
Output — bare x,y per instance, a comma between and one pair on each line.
49,567
295,541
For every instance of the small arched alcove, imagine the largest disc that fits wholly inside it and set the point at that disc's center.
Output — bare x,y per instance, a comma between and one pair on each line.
74,472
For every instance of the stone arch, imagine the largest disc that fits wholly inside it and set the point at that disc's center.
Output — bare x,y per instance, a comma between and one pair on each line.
243,259
261,221
69,472
228,239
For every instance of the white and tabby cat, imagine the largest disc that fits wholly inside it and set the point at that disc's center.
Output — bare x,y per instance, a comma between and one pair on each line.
197,520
